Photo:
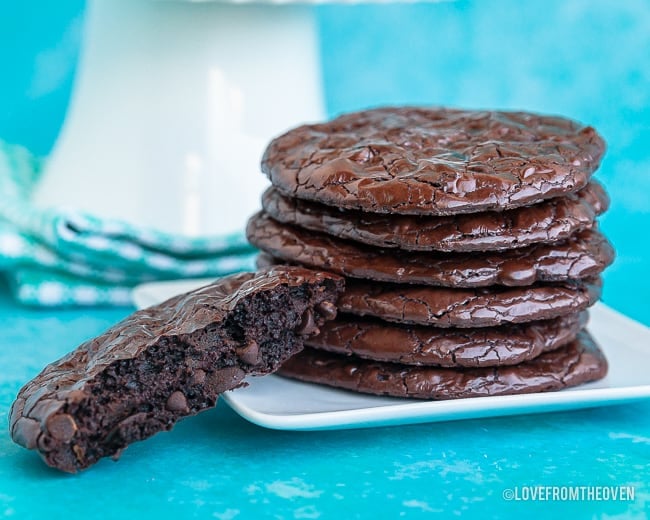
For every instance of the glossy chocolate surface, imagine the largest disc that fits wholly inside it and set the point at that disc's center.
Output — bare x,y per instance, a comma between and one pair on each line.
550,221
475,307
578,362
433,161
168,361
583,255
431,346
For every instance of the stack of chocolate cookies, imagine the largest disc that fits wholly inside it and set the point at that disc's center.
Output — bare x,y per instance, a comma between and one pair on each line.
468,241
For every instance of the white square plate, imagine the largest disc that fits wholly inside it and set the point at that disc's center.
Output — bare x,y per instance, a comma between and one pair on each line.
284,404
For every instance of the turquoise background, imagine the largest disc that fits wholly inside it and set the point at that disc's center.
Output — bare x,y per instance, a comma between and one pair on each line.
585,59
217,465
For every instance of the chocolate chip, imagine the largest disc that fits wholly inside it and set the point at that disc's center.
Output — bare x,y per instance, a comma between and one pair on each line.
307,324
249,353
44,443
327,310
177,402
224,379
79,452
62,427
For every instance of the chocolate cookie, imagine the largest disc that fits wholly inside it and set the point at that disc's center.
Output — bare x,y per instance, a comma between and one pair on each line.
583,255
463,308
433,161
167,362
578,362
550,221
483,347
478,307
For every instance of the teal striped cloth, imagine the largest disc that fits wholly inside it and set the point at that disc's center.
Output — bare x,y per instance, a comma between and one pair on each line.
64,257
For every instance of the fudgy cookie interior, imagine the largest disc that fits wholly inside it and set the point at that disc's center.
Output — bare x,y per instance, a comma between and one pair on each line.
131,399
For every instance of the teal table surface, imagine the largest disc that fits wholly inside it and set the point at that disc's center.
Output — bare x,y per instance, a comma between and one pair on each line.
584,59
217,465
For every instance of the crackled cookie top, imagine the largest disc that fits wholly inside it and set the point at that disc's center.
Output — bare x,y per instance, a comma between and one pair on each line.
578,362
467,308
433,161
431,346
549,221
169,361
583,255
458,307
